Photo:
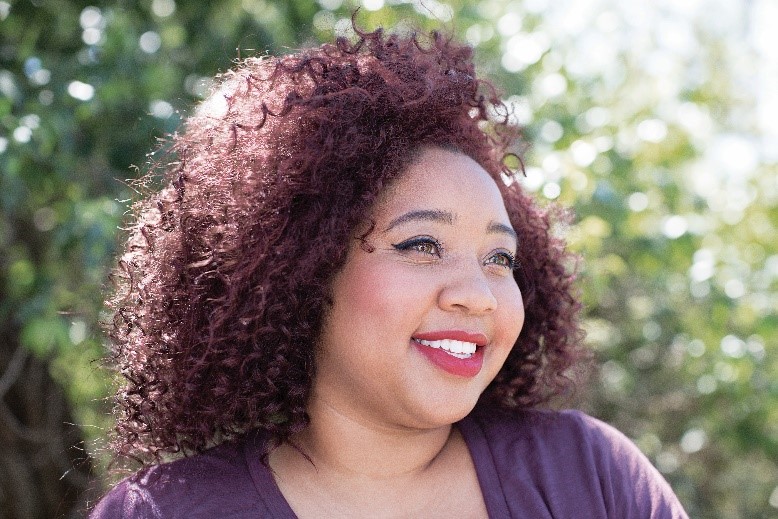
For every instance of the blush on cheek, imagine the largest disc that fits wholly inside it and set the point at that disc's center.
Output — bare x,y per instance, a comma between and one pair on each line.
382,288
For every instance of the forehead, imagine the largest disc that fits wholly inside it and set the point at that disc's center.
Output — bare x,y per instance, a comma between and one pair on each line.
445,180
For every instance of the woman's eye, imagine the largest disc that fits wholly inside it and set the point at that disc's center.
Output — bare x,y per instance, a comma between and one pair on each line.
423,245
502,259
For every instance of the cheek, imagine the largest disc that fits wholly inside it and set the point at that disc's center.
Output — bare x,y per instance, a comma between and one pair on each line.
378,295
511,314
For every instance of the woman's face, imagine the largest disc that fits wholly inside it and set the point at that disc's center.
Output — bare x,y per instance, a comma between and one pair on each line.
422,324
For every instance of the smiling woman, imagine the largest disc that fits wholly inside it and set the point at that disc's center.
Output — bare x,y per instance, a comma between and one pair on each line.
421,325
338,308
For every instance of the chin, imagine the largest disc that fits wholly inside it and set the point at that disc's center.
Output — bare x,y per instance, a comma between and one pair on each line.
446,413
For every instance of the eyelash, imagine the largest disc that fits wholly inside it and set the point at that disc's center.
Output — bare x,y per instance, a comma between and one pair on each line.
418,242
509,257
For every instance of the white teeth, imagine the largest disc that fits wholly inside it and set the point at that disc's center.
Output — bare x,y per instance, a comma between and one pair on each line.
459,349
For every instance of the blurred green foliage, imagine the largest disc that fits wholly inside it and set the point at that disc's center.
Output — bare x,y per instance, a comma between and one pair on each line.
638,117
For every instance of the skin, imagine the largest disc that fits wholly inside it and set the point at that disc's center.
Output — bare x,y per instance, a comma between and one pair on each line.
381,438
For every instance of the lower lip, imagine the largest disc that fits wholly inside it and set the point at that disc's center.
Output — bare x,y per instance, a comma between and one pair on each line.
468,367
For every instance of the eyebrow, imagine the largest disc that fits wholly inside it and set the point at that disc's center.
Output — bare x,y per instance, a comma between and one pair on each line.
425,215
501,228
431,215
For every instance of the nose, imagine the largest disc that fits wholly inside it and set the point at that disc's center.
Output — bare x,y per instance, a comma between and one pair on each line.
468,292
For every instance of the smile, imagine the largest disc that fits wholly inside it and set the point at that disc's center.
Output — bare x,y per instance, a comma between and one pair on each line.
458,349
456,352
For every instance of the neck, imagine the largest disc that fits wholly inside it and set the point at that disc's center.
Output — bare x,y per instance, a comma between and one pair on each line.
341,444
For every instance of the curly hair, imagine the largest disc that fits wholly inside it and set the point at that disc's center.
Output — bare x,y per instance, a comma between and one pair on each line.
225,277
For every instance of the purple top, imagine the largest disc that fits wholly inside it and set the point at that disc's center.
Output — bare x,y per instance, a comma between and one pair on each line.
539,464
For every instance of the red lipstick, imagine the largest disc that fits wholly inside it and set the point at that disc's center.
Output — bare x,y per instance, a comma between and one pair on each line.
468,367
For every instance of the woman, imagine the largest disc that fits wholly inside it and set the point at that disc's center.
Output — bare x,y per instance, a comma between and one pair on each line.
343,305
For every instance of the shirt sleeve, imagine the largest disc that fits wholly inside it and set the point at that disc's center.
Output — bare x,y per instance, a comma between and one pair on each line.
632,487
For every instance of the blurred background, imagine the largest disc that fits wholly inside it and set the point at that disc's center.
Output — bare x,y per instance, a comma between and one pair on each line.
657,122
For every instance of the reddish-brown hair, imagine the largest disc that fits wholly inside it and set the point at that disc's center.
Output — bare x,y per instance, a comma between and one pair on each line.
225,277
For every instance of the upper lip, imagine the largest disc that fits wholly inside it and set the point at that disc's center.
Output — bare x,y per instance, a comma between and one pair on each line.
455,335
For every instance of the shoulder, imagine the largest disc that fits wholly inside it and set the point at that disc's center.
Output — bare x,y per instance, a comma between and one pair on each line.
571,450
216,483
549,432
553,434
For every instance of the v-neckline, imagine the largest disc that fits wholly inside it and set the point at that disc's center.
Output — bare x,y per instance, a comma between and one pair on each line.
472,433
485,467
